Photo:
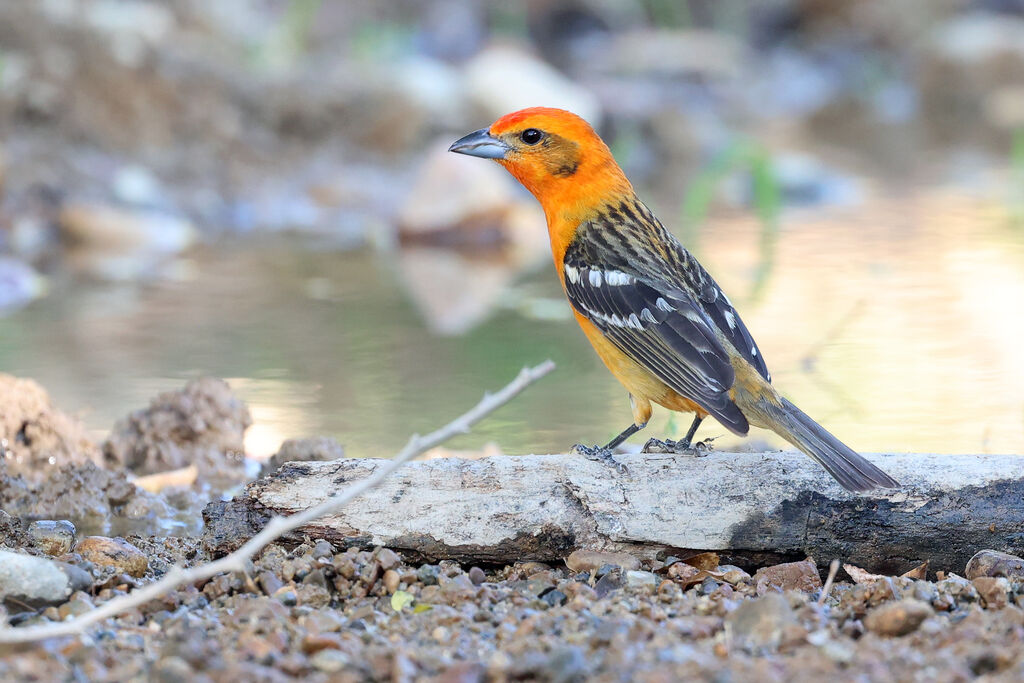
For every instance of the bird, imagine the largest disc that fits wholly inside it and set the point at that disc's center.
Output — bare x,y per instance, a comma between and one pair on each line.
655,317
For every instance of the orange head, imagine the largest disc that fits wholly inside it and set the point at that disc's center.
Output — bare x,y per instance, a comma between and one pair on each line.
556,155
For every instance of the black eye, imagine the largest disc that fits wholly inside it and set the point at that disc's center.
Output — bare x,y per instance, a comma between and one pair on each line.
531,136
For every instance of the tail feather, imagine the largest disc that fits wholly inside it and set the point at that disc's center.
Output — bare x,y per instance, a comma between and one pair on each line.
848,468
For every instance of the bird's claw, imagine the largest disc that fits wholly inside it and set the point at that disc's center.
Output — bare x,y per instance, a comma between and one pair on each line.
599,454
681,447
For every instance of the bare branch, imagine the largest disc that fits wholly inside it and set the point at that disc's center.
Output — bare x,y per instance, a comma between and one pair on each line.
276,527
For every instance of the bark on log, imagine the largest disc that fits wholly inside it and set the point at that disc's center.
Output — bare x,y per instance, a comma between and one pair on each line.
750,507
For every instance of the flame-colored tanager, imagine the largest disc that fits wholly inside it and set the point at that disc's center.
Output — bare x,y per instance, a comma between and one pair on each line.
656,318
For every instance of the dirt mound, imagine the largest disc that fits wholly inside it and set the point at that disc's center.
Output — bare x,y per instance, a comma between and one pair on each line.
34,435
203,424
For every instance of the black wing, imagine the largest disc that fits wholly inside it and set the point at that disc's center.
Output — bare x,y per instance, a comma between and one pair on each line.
716,304
628,237
669,334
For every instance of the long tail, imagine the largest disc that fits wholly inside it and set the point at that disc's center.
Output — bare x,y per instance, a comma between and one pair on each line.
851,470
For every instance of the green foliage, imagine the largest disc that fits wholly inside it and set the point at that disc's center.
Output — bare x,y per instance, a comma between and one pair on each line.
739,156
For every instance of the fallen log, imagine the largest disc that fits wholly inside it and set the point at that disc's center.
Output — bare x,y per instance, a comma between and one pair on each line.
749,507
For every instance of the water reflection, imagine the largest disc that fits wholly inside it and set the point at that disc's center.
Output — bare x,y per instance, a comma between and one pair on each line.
896,323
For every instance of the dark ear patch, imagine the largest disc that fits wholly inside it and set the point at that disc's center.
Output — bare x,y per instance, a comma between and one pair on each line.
561,156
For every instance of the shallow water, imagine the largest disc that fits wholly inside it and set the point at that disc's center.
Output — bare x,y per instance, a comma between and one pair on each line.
896,323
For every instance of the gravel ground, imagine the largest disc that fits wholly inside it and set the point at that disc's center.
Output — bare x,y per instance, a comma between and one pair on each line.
317,612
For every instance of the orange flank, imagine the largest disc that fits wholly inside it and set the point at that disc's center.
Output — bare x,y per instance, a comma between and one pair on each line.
655,317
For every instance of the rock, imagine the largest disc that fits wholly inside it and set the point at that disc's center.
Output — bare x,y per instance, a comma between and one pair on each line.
995,563
119,229
315,449
500,80
80,603
897,618
35,581
590,560
637,579
554,597
391,580
759,625
801,575
19,284
457,202
609,583
706,561
122,244
35,436
388,558
329,660
733,575
53,537
113,552
993,590
428,574
477,576
203,424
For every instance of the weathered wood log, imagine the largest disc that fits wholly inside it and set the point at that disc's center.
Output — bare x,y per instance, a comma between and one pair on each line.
750,507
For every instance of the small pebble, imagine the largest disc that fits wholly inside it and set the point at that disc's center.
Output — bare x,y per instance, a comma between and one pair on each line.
388,558
589,560
53,537
428,574
391,580
636,579
554,597
897,618
477,576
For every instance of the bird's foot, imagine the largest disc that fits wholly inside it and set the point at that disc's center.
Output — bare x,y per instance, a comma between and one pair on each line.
681,447
598,454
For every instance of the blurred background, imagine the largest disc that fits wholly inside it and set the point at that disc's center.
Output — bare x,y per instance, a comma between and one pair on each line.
259,190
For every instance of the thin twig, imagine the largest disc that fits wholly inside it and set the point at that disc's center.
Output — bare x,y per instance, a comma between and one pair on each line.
833,569
278,526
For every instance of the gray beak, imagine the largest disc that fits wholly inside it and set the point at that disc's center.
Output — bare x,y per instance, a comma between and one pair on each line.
480,143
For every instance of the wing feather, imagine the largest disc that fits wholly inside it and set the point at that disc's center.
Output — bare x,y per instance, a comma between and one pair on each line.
672,339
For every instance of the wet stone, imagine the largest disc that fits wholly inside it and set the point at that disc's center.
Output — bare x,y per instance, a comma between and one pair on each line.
113,552
53,537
